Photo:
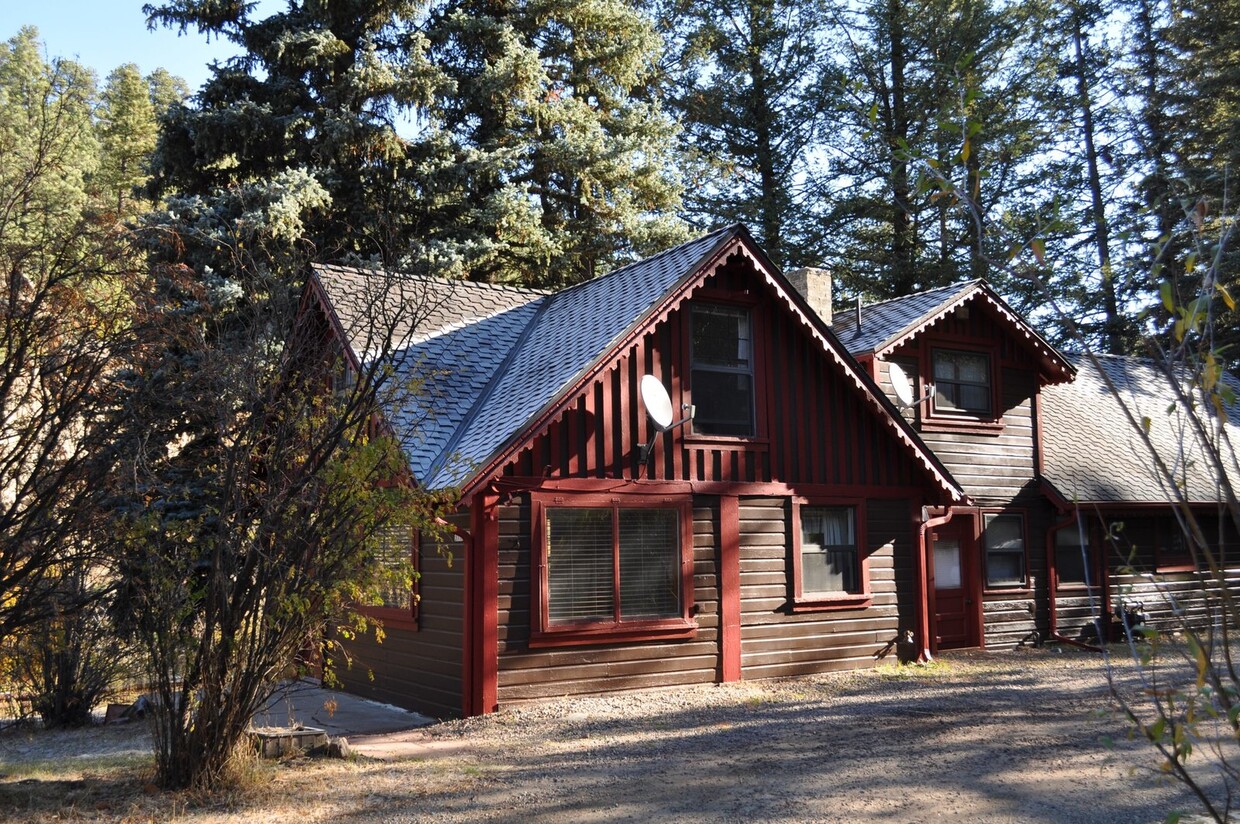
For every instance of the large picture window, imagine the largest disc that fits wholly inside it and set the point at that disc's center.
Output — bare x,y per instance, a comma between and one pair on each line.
722,370
612,568
962,382
1004,538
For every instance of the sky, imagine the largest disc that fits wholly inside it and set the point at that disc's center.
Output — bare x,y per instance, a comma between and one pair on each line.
103,34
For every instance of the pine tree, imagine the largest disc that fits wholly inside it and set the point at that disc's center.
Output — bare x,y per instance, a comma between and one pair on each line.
318,89
127,131
45,131
744,78
565,158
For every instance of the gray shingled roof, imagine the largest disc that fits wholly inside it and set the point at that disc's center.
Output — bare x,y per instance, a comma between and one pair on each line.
1090,453
490,358
885,325
886,320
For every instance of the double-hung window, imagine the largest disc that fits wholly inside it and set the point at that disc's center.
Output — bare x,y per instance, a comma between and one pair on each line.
722,370
962,383
608,568
830,567
1074,557
1004,538
394,552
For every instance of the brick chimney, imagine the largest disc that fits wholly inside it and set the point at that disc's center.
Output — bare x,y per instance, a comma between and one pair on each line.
815,286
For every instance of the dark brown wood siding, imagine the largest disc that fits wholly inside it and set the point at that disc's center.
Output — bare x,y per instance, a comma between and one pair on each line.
419,670
776,641
814,425
997,467
526,674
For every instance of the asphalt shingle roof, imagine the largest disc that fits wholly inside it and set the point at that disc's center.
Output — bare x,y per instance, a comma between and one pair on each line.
887,319
1090,452
489,358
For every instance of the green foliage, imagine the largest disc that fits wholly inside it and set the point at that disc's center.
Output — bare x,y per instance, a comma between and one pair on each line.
745,77
45,132
127,131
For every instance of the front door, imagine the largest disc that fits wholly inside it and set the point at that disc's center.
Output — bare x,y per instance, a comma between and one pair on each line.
954,585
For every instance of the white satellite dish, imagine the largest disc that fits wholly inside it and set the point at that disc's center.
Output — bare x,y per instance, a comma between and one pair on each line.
901,385
658,403
659,407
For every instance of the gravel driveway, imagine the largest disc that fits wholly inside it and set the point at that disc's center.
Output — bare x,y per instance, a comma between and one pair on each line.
993,737
1016,736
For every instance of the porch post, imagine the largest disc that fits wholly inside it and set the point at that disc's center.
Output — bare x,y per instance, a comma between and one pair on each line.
729,588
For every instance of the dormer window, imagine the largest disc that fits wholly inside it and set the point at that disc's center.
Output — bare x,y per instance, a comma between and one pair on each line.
722,370
962,383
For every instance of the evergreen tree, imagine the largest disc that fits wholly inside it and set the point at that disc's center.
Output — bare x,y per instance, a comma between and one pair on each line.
127,131
565,159
744,78
166,90
45,131
318,89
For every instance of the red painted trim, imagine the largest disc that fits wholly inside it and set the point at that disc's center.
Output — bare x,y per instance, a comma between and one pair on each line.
482,608
545,634
729,589
925,605
626,486
850,600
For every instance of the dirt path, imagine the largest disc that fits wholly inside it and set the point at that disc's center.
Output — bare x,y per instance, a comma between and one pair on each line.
1005,737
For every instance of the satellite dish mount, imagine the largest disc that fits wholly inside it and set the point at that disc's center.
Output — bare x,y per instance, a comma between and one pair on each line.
902,386
659,407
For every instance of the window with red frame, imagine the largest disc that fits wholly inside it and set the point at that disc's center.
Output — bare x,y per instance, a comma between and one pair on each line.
394,553
962,382
830,563
613,565
721,375
1004,539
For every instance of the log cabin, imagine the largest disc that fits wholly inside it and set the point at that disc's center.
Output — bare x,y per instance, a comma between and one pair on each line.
1117,543
783,512
976,370
774,529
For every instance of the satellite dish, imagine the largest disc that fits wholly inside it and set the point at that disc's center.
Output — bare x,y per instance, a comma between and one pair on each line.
658,404
901,385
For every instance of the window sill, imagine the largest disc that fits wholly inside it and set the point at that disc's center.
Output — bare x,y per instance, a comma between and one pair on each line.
1076,586
832,603
391,618
1173,566
692,438
974,426
612,633
1008,590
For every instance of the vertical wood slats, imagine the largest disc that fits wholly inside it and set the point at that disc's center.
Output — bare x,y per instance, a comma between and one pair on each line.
819,428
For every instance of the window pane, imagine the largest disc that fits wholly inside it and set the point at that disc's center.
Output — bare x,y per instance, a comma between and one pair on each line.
724,402
1069,558
1005,549
580,577
395,552
722,371
828,550
649,563
962,381
721,336
947,564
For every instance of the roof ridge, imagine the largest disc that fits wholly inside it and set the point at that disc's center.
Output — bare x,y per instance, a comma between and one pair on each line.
472,284
646,260
922,293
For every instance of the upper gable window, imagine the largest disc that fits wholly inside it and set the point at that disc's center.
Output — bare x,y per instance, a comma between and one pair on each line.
962,383
722,370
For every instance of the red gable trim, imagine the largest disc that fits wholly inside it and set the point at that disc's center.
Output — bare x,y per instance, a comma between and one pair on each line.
737,242
317,294
1057,368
